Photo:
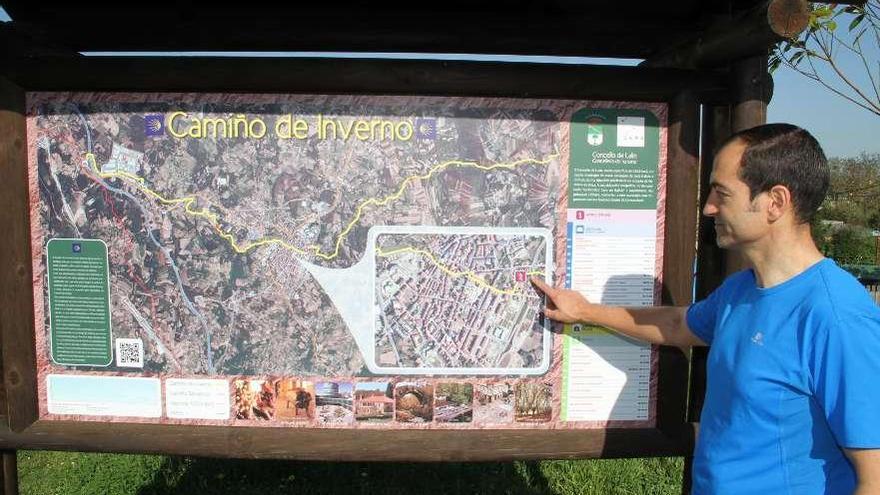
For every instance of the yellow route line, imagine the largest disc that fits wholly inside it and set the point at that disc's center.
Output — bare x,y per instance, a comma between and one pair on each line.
405,183
470,275
213,218
187,202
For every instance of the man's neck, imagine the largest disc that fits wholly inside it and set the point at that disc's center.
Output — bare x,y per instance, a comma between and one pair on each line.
782,256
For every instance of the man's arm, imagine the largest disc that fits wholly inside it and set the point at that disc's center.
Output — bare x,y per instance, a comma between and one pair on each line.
867,465
657,325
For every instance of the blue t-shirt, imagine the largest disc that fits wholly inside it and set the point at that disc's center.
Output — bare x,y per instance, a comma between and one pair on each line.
793,376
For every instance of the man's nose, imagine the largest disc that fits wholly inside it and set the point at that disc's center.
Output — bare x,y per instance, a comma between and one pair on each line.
709,209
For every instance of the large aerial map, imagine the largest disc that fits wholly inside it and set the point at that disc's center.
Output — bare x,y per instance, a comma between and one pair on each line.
291,241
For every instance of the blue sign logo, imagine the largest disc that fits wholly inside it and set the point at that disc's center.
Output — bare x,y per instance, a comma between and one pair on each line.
154,124
76,248
426,128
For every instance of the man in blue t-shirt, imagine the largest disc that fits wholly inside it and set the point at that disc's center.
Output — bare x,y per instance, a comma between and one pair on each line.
793,375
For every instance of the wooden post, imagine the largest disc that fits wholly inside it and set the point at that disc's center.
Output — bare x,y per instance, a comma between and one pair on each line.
682,205
682,210
752,87
9,472
16,278
710,262
710,258
877,249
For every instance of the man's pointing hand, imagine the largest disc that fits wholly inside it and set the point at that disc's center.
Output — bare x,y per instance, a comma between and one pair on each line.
563,305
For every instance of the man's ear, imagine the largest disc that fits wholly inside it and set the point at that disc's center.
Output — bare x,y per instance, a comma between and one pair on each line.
779,202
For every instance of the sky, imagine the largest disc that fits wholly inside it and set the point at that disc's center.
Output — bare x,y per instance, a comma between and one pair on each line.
842,128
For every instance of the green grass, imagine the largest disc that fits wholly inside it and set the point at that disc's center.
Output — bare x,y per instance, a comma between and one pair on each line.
69,473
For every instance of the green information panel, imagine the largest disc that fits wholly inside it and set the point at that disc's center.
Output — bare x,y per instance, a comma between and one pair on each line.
614,159
79,302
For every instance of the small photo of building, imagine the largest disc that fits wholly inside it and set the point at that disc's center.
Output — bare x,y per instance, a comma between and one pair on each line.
373,401
294,400
454,403
533,401
414,402
334,401
493,403
253,399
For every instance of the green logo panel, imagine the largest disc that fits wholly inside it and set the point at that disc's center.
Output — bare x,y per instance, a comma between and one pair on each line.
615,154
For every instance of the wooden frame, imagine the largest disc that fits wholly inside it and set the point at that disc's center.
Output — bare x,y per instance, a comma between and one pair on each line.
682,89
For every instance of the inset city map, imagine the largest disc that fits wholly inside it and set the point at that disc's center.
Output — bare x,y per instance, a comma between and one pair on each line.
460,302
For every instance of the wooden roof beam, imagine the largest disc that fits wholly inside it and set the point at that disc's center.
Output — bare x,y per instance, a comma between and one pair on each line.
750,33
346,76
448,33
19,41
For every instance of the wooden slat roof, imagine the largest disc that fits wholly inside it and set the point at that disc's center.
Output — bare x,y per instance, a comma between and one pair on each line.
625,29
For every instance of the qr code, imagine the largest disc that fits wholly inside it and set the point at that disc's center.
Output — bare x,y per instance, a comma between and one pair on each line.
129,353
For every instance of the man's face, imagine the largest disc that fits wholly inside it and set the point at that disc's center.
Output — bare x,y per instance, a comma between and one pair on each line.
739,220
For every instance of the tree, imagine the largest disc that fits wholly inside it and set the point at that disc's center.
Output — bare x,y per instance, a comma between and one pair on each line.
457,393
854,192
852,246
843,225
846,60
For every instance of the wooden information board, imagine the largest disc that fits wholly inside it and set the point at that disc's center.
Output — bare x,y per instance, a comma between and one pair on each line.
335,275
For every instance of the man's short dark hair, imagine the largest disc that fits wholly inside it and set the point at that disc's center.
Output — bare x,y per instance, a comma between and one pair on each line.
785,154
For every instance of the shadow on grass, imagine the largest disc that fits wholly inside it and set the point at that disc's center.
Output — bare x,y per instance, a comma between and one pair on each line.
188,476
